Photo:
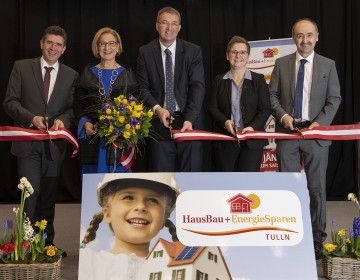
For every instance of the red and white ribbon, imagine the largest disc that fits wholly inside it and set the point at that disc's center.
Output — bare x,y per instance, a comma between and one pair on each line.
128,159
12,133
335,132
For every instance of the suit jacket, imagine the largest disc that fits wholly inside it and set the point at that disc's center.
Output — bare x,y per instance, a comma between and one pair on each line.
25,98
189,79
255,105
324,96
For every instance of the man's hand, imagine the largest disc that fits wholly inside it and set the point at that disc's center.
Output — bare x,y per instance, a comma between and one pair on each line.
164,116
39,122
186,126
58,124
287,122
314,124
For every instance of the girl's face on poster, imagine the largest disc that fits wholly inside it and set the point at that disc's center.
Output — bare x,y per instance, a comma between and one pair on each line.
136,215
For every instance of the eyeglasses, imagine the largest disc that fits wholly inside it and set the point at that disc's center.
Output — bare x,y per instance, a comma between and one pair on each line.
173,24
53,44
111,44
235,53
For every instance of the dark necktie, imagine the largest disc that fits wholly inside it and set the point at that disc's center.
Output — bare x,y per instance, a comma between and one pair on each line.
299,91
169,84
47,82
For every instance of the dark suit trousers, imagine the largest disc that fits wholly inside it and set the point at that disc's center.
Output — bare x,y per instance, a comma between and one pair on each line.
42,172
232,157
288,153
166,156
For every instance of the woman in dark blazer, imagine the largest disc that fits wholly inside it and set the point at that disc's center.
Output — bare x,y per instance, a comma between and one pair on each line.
240,101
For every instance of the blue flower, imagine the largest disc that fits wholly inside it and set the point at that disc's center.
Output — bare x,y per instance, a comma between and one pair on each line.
356,226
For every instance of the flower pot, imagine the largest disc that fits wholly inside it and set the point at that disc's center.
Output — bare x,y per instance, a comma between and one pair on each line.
34,271
341,268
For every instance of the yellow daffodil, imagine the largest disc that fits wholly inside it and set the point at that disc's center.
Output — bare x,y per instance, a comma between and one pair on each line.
330,247
41,225
342,232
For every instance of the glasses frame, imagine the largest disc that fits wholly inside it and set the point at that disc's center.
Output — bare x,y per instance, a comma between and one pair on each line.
235,53
53,44
111,44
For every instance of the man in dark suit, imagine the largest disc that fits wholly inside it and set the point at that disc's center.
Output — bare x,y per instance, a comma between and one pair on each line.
39,101
185,81
316,103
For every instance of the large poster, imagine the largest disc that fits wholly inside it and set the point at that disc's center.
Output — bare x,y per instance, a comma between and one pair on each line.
262,60
251,227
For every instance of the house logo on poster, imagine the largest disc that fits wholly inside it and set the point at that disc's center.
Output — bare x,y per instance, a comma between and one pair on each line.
243,204
233,218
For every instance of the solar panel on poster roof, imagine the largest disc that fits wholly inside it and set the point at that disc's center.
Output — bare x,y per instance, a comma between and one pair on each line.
187,253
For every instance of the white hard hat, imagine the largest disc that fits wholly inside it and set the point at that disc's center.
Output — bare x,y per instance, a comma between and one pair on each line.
156,181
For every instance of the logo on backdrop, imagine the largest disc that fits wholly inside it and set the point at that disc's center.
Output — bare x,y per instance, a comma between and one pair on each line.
233,218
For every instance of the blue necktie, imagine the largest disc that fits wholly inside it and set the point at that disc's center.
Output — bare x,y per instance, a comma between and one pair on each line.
299,91
169,84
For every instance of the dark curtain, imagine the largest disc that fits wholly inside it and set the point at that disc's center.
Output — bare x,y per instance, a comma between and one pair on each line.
208,23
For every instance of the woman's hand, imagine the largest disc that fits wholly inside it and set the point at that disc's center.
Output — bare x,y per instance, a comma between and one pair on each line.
230,126
90,129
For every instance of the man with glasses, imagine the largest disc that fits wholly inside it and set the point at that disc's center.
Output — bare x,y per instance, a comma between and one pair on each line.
305,92
39,97
171,76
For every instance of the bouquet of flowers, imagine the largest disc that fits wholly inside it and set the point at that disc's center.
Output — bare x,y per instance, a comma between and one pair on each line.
20,243
345,243
124,121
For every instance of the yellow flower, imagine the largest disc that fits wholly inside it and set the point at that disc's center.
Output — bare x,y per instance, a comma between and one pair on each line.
108,111
121,96
137,126
133,103
41,225
121,119
134,113
127,134
342,232
330,247
348,240
50,250
150,113
127,126
124,101
138,107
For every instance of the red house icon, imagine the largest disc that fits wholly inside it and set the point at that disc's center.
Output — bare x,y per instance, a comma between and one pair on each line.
240,204
268,53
